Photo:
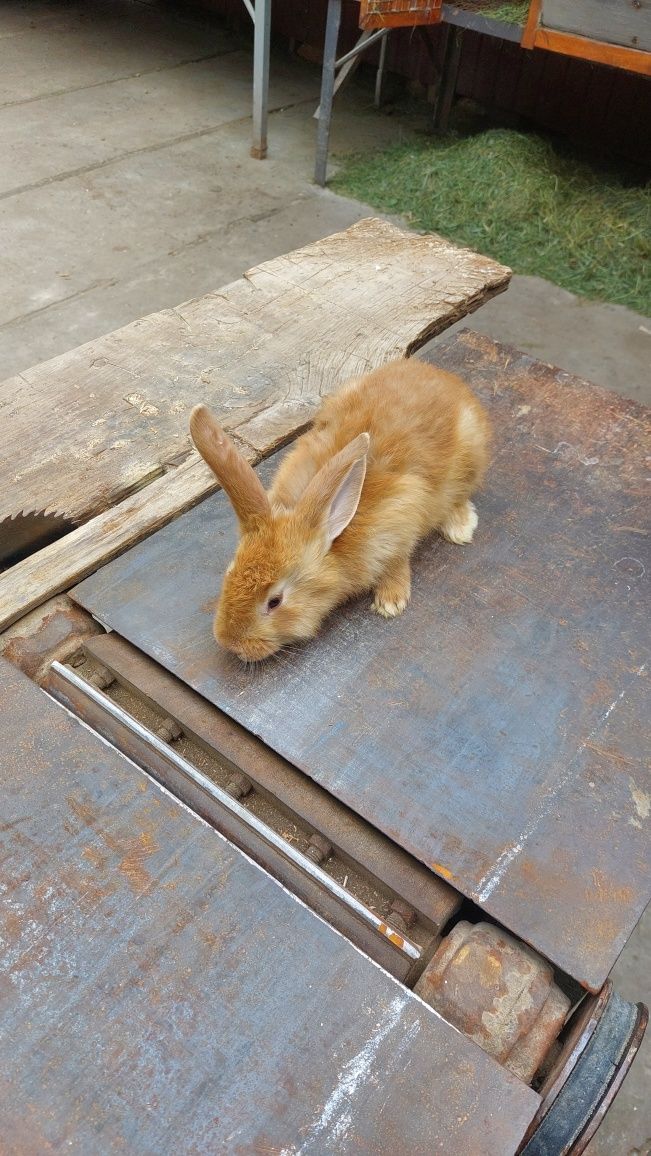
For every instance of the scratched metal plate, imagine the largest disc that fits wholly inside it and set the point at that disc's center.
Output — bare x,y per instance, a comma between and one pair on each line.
161,994
497,730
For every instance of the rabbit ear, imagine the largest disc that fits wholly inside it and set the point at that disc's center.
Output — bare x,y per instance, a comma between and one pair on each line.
332,497
235,475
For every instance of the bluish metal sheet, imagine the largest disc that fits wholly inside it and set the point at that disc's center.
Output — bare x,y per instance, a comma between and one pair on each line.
496,730
160,995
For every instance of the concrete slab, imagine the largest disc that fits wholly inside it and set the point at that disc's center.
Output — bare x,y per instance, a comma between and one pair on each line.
606,344
62,48
126,186
180,273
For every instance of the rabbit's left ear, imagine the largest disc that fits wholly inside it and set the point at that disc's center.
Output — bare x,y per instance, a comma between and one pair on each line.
332,497
232,471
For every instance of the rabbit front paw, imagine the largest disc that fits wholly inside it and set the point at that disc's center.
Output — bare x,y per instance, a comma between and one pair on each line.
393,591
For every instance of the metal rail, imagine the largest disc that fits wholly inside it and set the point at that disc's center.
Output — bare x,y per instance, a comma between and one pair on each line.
247,818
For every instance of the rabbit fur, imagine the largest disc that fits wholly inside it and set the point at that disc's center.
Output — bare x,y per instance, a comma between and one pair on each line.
389,458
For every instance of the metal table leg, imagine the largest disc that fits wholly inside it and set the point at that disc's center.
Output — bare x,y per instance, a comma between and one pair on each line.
327,90
261,17
379,77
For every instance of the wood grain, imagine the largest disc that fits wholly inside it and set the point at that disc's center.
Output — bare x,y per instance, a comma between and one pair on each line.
57,567
398,13
88,427
535,35
92,432
620,23
629,58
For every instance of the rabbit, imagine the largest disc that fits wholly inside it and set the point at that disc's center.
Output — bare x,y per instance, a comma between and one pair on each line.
390,457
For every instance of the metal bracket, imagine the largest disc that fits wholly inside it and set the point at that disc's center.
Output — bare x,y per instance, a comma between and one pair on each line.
334,75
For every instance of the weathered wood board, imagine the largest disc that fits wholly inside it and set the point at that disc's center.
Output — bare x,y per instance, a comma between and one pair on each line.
101,434
162,994
498,731
614,33
55,568
89,428
621,22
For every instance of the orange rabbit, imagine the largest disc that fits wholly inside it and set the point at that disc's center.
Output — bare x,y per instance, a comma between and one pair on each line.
391,456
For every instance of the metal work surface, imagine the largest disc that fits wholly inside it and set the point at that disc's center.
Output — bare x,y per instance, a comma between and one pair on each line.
161,994
496,730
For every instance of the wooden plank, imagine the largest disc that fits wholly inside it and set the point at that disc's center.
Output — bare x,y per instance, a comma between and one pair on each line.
92,426
398,13
614,55
531,27
537,36
263,352
550,101
508,75
57,567
613,23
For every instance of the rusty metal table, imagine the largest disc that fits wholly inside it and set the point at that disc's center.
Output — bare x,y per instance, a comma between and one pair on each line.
495,731
162,994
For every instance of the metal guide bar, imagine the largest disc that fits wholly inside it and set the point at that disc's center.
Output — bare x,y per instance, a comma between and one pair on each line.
271,838
375,861
589,1092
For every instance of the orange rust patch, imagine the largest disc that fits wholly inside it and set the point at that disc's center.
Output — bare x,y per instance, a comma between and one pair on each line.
94,857
132,848
441,870
607,891
83,812
392,936
131,865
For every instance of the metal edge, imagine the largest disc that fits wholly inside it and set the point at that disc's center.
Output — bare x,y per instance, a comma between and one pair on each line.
246,818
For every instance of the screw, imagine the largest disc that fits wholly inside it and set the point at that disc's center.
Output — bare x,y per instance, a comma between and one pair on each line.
169,730
102,678
402,915
319,849
239,786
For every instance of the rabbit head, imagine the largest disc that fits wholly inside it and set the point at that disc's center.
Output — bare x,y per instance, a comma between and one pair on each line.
284,578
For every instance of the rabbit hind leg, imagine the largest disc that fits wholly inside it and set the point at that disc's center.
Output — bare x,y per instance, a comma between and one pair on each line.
460,524
393,590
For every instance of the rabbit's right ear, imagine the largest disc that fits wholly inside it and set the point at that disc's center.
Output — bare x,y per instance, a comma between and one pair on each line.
233,472
332,497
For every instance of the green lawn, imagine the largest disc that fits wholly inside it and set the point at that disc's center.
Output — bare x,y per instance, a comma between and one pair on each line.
514,197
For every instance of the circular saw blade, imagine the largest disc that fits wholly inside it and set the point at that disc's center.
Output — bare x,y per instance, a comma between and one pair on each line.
30,530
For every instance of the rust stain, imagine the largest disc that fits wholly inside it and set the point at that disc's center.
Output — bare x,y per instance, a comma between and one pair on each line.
131,865
83,812
132,848
608,754
607,891
94,857
392,936
441,870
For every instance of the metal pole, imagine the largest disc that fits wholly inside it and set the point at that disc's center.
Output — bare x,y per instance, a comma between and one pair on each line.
380,71
327,90
261,43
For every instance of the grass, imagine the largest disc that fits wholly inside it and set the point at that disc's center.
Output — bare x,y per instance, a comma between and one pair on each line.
514,197
510,11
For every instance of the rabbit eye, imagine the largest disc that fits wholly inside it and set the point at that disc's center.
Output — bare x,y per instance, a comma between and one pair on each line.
274,602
